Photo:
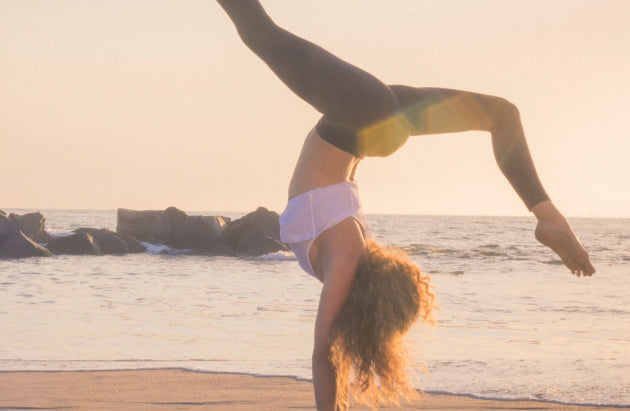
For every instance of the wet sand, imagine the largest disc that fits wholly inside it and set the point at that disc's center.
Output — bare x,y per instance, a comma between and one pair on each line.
186,390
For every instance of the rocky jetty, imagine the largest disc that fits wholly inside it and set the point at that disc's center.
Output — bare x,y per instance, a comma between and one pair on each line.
254,234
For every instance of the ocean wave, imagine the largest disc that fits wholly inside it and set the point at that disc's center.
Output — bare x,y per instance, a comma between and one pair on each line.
424,249
58,233
487,253
552,262
455,272
162,249
486,250
278,256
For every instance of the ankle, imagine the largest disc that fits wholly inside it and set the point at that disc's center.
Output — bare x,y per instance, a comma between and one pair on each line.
546,211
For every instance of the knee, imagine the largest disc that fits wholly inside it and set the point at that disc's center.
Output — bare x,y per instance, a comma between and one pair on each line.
504,113
509,109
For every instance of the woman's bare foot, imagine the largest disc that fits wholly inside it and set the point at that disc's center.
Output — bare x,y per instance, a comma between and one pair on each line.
554,231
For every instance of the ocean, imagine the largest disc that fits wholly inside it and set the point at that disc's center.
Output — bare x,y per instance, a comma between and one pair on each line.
513,322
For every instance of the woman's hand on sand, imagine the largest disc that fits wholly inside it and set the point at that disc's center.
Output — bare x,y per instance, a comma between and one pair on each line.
554,231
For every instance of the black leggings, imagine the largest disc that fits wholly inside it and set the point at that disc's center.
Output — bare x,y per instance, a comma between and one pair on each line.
365,117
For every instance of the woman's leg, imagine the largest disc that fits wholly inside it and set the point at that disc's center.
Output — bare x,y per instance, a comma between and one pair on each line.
435,111
355,104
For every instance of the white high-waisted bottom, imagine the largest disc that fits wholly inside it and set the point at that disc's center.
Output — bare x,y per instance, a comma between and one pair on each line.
309,214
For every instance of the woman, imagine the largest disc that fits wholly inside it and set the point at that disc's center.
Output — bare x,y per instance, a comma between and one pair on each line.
371,295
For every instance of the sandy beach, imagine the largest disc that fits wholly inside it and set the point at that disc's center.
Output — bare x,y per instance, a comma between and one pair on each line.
185,390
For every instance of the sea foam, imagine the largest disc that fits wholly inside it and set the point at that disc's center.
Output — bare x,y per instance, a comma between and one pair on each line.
278,256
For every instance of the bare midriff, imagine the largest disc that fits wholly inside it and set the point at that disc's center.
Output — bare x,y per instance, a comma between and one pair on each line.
321,164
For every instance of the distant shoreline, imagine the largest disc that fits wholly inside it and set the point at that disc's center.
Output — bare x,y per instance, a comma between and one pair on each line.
166,388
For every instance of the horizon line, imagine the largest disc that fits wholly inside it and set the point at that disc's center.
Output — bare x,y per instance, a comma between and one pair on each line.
219,212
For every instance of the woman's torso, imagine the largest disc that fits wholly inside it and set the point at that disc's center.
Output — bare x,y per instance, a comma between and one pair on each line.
321,164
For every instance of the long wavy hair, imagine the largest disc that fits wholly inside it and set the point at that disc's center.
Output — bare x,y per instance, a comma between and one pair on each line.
388,295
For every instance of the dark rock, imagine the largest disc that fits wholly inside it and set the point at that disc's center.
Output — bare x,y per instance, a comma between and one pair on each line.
3,213
20,246
33,225
157,227
135,246
199,233
110,242
15,244
255,234
75,244
107,241
172,227
43,238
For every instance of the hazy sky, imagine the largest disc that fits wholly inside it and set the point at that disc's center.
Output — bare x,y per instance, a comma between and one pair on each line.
151,103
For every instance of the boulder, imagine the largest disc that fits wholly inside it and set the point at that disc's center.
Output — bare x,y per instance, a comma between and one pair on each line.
135,246
199,233
7,227
152,226
110,242
15,244
255,234
43,238
33,225
172,227
3,213
76,244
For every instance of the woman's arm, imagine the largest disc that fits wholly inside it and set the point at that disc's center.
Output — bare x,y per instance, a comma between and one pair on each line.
338,251
324,376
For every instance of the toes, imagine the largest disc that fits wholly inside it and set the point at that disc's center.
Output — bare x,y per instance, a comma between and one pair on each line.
573,265
589,269
569,262
575,269
585,264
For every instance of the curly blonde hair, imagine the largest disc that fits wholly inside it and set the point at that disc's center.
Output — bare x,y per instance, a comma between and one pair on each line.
388,295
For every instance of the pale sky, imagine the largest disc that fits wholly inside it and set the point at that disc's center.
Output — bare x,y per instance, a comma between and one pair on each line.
150,103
